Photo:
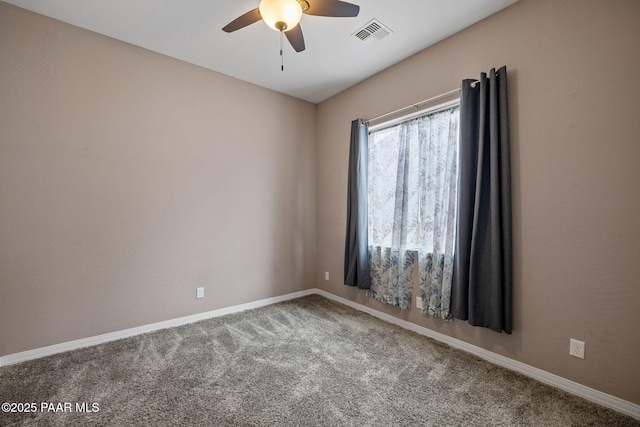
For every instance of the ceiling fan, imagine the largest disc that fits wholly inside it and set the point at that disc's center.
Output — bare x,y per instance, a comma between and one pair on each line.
285,15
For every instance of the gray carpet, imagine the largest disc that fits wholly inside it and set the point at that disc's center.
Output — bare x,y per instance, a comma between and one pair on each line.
306,362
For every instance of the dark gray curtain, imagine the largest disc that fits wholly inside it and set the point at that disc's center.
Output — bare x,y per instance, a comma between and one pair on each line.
356,258
482,273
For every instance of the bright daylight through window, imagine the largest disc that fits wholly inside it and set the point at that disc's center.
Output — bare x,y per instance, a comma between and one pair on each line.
412,185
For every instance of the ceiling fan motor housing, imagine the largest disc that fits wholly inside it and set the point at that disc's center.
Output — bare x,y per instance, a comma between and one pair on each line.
304,4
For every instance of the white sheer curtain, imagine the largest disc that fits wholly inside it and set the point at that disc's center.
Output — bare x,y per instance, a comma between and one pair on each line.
411,209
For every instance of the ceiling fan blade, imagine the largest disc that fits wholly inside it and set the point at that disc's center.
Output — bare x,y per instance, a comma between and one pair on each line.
334,8
241,22
296,38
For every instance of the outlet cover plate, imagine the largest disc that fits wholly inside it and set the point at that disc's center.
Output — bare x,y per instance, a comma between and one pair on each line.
199,292
576,348
419,303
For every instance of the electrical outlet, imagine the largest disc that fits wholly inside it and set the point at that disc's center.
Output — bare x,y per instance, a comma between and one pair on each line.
199,292
326,275
419,303
576,348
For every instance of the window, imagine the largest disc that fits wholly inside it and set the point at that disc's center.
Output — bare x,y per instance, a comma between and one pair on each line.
412,183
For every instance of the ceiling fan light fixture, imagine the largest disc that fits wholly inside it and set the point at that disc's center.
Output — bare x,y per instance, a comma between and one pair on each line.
281,15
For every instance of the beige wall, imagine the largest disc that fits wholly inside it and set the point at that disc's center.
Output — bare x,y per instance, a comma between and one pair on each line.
127,179
574,105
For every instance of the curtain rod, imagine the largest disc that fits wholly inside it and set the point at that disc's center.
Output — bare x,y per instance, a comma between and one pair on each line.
416,106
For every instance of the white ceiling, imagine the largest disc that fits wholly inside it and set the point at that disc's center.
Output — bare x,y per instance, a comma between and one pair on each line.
190,30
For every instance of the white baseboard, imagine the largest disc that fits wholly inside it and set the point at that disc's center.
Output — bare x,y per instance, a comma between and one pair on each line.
126,333
572,387
588,393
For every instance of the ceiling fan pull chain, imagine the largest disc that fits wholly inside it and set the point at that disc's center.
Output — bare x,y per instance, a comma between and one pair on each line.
281,54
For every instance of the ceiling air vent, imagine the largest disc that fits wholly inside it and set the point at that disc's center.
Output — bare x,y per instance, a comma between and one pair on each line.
372,32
